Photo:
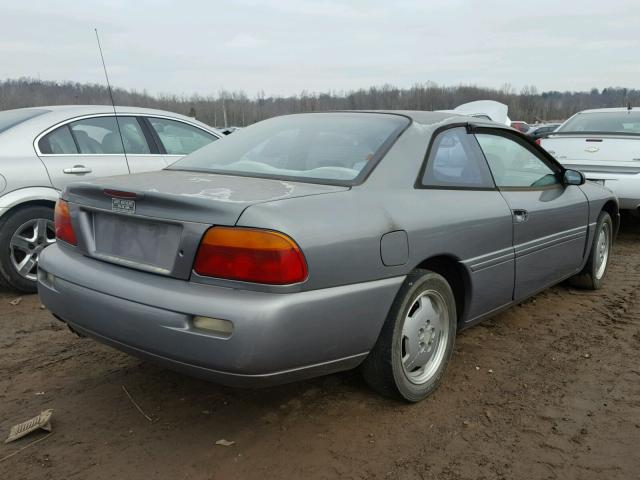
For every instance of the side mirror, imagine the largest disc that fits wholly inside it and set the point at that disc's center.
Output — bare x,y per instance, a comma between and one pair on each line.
573,177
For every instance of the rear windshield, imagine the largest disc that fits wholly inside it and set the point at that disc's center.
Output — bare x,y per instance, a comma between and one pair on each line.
11,118
320,147
604,122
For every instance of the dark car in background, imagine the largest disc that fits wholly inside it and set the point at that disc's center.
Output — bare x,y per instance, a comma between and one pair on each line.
541,131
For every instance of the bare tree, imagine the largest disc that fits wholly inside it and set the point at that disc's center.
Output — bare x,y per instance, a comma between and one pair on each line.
236,108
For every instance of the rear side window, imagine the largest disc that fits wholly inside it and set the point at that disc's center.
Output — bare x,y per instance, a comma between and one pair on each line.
11,118
455,160
58,142
96,136
179,138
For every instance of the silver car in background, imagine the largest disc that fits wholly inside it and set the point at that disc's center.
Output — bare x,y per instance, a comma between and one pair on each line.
43,149
604,144
314,243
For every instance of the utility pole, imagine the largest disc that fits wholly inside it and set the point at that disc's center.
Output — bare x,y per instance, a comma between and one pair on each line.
224,113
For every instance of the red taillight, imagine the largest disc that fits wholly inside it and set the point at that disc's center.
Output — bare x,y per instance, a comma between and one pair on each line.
62,220
250,255
538,141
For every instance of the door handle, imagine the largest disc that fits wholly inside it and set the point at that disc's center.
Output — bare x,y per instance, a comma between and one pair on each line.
520,216
77,169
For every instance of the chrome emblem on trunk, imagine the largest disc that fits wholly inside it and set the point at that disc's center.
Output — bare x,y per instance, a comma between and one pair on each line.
121,205
592,149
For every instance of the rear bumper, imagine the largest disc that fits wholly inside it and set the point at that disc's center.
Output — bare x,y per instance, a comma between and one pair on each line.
277,338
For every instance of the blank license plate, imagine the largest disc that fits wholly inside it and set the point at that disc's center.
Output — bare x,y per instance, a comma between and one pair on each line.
136,240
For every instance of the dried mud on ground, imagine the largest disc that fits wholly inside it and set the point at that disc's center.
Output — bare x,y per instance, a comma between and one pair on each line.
548,389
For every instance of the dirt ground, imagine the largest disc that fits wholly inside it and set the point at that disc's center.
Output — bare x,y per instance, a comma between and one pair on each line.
548,389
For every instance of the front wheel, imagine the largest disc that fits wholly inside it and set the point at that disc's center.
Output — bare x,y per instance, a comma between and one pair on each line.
24,233
416,341
592,276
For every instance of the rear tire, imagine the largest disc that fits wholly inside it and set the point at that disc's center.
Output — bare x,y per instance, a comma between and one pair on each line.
416,342
24,233
592,275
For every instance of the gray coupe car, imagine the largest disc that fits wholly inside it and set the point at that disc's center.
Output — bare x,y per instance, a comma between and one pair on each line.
313,243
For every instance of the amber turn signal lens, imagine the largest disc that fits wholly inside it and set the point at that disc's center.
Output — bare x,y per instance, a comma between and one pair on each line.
250,255
62,220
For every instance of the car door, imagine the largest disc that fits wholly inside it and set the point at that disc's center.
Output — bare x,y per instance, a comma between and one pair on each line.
549,218
84,148
462,212
176,138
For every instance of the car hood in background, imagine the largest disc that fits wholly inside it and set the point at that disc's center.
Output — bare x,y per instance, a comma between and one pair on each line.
496,111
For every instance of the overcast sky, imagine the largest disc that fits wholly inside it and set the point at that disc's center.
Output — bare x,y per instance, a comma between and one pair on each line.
286,46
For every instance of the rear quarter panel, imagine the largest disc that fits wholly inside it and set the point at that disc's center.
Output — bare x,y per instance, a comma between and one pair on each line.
340,233
20,167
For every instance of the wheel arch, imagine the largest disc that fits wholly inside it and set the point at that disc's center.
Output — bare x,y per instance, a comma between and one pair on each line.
611,207
29,203
24,197
456,275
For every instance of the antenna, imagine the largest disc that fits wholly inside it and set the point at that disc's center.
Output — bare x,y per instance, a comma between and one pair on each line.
113,104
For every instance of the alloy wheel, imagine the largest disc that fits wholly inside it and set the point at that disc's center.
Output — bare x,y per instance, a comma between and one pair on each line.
424,337
602,250
26,244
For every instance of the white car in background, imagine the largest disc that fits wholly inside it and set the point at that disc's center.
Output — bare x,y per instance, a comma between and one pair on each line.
43,149
605,145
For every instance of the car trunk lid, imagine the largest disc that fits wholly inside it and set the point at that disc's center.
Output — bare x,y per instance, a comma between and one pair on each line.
596,154
155,221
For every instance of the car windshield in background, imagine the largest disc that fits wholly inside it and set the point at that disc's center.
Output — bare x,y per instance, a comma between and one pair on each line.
11,118
604,122
321,147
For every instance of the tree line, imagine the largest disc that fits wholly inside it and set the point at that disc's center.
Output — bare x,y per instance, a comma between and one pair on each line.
236,108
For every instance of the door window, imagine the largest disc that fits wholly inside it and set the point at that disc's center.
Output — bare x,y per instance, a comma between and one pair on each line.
455,160
97,136
513,165
100,135
179,138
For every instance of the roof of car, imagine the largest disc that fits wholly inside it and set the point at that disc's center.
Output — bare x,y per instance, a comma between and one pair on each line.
610,110
420,116
89,109
53,114
425,117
